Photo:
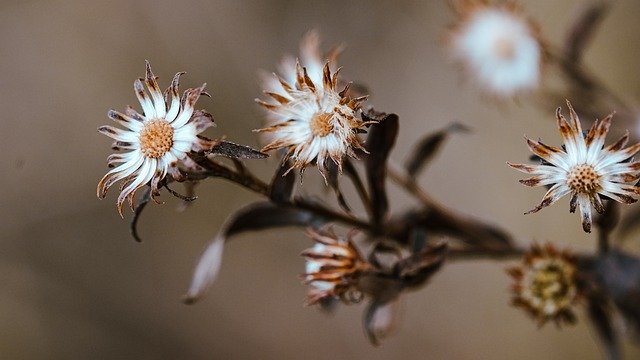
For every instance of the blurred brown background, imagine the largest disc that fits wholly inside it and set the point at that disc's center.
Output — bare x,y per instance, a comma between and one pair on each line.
74,285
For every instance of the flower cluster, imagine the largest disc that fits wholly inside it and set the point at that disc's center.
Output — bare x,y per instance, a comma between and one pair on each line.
315,119
545,284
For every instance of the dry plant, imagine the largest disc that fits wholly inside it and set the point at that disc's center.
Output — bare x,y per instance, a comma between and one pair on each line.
317,119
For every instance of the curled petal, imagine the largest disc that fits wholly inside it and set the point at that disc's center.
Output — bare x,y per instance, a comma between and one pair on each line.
554,194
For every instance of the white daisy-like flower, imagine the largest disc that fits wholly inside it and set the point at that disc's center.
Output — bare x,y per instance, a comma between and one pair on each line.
310,118
332,268
155,142
584,167
545,284
498,46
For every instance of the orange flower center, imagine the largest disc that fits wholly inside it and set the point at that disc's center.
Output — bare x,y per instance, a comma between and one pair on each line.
156,138
583,179
321,124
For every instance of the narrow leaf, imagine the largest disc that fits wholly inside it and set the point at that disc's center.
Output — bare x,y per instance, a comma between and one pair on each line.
352,173
333,181
428,147
381,138
206,271
282,184
232,150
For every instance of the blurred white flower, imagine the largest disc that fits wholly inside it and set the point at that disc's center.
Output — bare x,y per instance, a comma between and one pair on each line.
584,168
497,46
156,141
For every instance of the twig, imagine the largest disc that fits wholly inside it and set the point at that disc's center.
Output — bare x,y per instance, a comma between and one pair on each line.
402,178
180,196
470,254
136,215
246,179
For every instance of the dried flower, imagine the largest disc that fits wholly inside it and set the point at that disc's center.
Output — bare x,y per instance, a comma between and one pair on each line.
584,168
545,285
497,45
309,117
156,141
333,268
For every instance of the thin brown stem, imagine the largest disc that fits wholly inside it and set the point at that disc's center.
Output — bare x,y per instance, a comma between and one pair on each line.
471,253
245,179
328,213
402,178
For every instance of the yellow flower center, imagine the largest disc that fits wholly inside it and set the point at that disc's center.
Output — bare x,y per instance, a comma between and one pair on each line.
321,124
550,283
550,287
156,138
583,179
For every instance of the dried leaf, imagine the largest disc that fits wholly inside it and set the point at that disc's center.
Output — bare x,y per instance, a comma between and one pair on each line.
381,138
333,181
282,183
429,146
381,319
236,151
352,173
206,270
257,216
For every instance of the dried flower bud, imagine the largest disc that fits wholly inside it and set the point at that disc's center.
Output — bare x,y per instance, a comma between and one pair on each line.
333,268
545,284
